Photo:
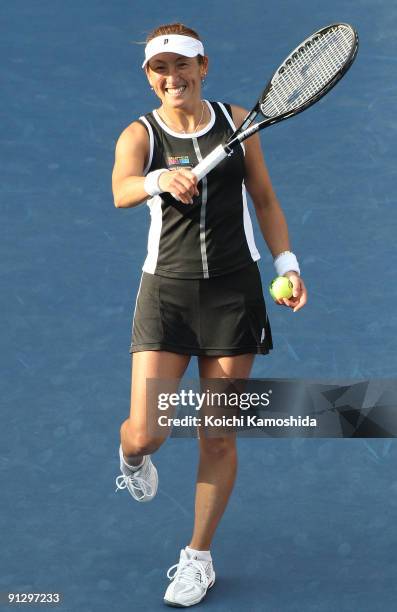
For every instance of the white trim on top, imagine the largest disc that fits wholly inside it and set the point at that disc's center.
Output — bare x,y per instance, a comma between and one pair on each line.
249,232
153,243
203,212
230,120
192,134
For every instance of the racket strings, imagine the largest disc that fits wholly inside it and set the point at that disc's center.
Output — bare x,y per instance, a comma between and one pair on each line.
308,70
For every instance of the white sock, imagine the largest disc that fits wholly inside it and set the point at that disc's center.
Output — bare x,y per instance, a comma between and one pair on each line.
134,462
200,555
127,463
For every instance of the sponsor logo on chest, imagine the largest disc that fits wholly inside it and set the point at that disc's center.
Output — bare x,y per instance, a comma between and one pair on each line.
179,161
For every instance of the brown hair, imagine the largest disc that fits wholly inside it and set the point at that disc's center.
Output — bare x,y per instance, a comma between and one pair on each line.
174,28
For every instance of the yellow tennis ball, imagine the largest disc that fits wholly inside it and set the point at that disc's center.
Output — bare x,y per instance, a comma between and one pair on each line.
281,287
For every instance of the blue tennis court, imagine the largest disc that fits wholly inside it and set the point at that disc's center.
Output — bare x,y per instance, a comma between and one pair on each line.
311,523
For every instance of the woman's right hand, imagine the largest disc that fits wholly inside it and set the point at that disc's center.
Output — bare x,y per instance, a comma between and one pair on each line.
182,184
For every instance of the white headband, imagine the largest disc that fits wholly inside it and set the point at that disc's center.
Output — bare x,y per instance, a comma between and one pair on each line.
173,43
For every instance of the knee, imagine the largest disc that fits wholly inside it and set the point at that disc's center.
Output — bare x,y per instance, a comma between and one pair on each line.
218,447
139,442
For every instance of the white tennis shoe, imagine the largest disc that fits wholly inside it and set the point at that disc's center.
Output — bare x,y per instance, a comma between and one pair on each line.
141,483
190,581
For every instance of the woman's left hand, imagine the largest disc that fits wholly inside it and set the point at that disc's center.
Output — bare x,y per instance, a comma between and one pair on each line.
299,295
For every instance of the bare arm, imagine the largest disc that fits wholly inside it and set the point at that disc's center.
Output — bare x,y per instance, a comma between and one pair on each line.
269,213
132,153
132,150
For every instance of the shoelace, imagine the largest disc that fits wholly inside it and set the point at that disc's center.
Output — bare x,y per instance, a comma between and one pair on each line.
138,484
186,571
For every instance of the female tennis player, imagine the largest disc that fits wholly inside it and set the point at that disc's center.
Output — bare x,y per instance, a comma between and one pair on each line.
200,291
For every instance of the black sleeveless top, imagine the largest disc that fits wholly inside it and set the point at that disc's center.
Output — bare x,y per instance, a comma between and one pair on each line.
212,236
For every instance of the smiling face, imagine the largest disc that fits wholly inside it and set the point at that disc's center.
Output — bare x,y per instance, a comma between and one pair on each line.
176,79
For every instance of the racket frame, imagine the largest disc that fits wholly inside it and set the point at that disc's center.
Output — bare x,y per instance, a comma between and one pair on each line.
244,131
247,129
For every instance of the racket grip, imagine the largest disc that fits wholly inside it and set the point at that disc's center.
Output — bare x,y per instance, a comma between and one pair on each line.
209,162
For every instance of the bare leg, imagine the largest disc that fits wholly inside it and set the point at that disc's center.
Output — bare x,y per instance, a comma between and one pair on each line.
135,439
218,458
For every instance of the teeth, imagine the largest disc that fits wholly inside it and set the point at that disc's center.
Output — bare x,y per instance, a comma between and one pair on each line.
176,91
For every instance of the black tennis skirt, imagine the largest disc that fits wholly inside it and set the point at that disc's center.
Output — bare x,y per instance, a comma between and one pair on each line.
221,315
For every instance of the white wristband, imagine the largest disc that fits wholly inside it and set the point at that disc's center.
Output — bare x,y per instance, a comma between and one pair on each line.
284,262
151,183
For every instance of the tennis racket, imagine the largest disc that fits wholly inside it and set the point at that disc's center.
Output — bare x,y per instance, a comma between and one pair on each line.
305,76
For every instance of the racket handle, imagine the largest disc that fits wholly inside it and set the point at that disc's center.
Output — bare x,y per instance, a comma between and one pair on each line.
209,162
